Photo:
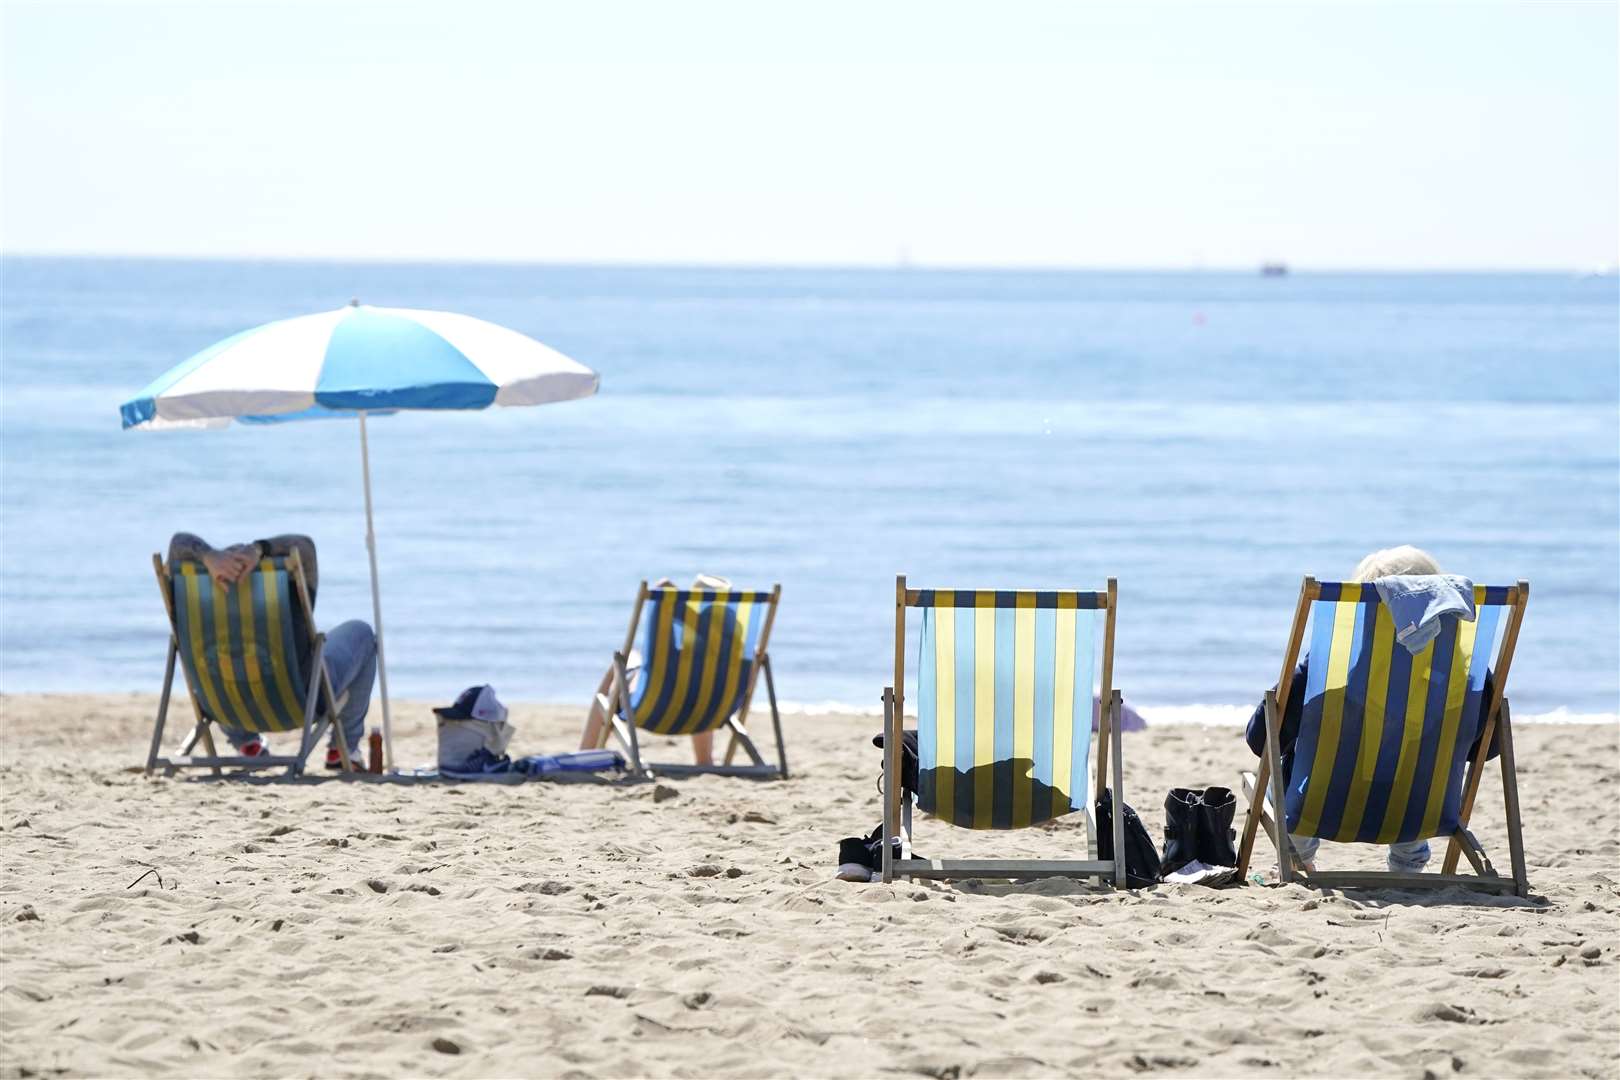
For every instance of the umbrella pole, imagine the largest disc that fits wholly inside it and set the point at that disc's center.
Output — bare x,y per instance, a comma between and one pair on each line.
376,599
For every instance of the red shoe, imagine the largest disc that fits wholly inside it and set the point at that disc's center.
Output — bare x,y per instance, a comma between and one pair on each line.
333,761
257,748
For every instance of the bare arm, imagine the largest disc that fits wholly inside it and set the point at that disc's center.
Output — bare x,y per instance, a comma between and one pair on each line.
287,543
184,545
225,567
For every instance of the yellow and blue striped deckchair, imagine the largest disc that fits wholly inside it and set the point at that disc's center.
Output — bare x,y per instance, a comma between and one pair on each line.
1004,706
702,652
251,657
1382,752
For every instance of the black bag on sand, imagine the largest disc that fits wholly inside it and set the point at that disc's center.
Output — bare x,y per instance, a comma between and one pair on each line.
1216,838
1180,828
1198,826
1141,856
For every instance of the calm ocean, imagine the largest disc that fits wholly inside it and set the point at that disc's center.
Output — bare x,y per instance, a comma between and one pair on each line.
1207,438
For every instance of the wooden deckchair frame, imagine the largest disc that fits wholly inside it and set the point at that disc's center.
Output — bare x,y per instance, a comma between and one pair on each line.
1268,782
624,728
1110,752
315,720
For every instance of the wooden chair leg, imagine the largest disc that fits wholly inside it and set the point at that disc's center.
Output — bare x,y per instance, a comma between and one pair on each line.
205,730
891,781
1285,867
776,718
739,736
163,708
1117,707
324,687
1510,804
623,727
313,728
1470,846
1251,823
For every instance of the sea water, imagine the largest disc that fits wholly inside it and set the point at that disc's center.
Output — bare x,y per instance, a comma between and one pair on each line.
1206,438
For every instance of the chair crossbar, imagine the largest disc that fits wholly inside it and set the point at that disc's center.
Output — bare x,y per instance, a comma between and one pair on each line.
1385,879
1003,868
1005,598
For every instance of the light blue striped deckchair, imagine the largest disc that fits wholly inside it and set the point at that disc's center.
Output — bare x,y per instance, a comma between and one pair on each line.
240,649
1382,753
1004,705
702,653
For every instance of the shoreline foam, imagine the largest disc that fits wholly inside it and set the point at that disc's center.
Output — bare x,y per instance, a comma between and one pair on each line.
1204,715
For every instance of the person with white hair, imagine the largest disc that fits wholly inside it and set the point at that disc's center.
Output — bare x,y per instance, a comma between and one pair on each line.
1411,856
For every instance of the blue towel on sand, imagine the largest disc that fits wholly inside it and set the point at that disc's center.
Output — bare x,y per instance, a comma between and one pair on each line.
484,763
574,761
1417,603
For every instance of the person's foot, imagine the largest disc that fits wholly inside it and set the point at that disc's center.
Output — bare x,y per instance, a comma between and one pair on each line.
257,748
333,761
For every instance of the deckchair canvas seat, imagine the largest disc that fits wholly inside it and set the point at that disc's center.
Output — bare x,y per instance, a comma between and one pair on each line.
703,651
1004,707
252,659
1382,754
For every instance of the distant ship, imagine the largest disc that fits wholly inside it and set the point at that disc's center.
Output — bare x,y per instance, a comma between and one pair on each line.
1274,269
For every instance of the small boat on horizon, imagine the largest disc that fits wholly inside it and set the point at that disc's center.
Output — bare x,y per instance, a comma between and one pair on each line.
1273,269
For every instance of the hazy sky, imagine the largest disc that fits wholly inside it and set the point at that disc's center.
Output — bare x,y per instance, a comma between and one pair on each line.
1461,134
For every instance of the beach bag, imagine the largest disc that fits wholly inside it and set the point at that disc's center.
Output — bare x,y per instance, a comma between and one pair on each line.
473,727
461,740
1198,837
1141,854
1198,828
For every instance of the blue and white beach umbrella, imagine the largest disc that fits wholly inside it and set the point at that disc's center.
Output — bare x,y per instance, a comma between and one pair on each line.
354,360
350,362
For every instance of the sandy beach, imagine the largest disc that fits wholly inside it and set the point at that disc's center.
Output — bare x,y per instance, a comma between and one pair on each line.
693,928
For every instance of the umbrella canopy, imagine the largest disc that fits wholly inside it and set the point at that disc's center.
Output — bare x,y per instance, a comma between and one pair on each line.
358,358
351,362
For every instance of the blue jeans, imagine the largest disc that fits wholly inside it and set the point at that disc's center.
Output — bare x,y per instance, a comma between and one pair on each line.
1405,858
351,663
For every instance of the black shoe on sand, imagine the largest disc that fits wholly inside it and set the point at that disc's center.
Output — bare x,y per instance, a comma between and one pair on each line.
861,858
855,860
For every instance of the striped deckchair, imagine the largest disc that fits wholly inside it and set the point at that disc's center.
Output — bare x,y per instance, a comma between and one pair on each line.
1004,709
702,653
1382,753
240,649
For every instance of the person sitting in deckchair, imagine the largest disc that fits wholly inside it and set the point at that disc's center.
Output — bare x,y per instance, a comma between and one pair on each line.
591,737
351,647
1411,856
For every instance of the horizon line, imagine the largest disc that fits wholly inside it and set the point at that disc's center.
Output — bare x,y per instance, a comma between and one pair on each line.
1597,269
